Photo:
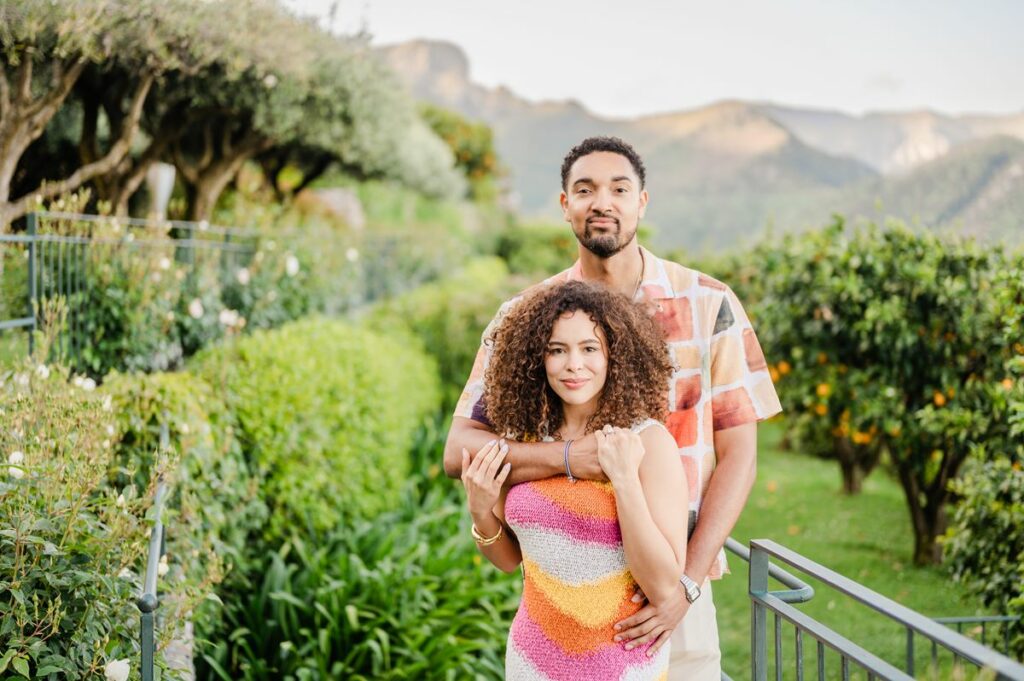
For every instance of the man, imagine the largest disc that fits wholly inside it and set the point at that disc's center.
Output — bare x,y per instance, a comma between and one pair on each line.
717,394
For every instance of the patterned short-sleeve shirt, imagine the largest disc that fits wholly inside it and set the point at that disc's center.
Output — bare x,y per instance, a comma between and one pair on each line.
720,378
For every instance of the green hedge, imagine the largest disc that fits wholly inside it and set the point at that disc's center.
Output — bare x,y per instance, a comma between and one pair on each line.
326,412
449,315
214,496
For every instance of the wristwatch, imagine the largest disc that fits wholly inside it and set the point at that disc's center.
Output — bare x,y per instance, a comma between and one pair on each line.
691,588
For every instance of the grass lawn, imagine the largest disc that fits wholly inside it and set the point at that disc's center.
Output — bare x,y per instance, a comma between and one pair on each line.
797,502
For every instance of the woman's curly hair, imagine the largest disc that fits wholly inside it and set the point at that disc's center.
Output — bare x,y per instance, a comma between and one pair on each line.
519,401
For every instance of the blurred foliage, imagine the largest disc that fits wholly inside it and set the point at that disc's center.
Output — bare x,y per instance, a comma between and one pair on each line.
448,317
472,143
325,413
890,345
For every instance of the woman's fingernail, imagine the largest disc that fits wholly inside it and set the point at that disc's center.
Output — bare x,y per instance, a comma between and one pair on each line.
629,646
617,627
617,639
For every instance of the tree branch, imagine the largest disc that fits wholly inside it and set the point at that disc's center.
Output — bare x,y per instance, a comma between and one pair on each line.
117,152
5,96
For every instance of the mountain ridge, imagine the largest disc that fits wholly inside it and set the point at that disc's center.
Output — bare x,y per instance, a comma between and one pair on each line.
723,171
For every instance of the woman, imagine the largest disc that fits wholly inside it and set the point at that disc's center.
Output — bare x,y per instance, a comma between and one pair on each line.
568,360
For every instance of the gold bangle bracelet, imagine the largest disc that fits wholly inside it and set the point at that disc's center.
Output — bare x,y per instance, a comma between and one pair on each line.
487,541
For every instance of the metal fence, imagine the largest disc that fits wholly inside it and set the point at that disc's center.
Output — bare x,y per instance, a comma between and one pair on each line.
812,638
60,255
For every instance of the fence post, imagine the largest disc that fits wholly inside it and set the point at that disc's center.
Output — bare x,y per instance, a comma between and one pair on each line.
30,221
758,615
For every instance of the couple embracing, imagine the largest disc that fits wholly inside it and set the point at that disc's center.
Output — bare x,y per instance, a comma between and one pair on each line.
607,442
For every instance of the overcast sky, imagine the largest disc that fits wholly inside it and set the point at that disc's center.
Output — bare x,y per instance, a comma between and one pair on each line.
631,57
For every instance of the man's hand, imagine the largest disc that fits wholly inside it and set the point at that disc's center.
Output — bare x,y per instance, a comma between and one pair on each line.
653,622
583,459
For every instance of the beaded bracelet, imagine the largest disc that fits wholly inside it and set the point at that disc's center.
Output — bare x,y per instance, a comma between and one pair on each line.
567,471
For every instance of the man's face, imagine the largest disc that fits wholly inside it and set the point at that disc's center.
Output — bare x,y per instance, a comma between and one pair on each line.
603,202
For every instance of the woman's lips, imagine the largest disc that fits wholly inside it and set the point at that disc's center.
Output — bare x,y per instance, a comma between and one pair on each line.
574,384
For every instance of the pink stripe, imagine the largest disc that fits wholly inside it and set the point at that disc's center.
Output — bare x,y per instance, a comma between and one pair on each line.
524,506
608,662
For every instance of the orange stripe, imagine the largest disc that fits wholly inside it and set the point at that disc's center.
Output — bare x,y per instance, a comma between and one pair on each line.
566,631
585,497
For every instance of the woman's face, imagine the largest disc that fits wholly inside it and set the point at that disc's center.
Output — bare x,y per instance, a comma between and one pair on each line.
576,359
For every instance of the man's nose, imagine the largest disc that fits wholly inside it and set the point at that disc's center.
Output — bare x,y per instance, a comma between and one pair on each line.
602,201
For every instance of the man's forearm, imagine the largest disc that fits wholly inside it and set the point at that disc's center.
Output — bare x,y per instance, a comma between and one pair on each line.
530,460
719,510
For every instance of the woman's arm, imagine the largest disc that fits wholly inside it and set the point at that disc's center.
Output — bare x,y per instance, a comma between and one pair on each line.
483,478
653,505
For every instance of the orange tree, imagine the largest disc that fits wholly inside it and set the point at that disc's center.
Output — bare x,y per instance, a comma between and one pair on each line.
890,345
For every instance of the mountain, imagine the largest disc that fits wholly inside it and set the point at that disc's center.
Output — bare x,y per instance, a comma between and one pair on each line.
719,174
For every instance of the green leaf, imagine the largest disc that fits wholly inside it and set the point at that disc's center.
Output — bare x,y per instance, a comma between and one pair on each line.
21,666
6,659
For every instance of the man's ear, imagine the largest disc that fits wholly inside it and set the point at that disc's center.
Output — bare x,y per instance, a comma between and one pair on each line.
563,199
643,202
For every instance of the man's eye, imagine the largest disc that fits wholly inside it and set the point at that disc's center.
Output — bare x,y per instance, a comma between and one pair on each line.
622,190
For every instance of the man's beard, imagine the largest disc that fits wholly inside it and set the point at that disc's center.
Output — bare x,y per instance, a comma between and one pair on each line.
604,245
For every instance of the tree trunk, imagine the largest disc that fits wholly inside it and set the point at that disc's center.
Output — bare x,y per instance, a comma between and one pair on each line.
216,167
927,519
849,464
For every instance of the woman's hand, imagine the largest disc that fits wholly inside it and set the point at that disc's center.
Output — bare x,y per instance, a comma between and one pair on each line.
484,476
619,452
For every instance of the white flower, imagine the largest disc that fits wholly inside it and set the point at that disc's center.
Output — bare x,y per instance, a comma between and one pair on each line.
21,379
269,81
125,573
120,500
117,670
352,254
162,568
203,225
183,428
195,309
77,381
156,276
271,245
43,371
88,384
108,403
106,444
16,458
169,316
291,265
165,263
228,317
243,276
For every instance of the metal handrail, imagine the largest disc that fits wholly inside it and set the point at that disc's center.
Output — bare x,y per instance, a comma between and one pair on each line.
799,591
149,600
961,646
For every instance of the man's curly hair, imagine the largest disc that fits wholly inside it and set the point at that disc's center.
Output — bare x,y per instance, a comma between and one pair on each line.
594,144
522,405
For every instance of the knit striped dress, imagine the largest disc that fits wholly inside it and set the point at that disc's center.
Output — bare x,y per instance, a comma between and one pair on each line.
576,586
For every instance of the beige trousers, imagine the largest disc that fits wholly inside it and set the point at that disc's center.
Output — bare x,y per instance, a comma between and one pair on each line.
695,654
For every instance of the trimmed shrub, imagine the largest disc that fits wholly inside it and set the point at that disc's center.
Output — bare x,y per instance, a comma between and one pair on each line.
325,413
448,316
